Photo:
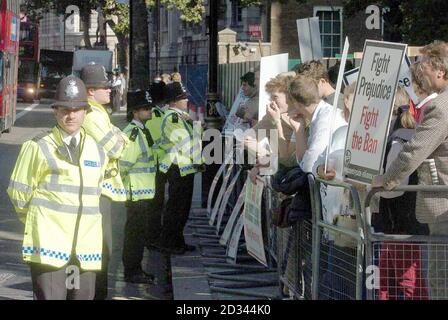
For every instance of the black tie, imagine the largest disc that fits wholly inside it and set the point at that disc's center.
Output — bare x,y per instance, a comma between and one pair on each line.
73,149
148,137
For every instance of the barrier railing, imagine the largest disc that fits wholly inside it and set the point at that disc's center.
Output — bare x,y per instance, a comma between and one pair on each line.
406,267
320,258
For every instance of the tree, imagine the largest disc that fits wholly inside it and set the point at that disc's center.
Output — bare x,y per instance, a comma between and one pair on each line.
117,17
35,8
413,22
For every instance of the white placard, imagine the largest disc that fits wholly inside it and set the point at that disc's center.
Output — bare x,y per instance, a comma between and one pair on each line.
233,122
231,222
372,110
270,67
253,231
225,199
351,76
220,195
309,39
336,97
232,249
405,78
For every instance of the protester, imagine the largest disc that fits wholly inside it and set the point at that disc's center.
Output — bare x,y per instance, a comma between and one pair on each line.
305,105
427,151
422,90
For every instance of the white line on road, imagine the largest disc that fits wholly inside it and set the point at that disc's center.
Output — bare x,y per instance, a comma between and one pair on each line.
27,109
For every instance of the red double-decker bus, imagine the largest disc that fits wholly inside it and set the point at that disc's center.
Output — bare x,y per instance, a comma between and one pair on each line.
9,61
28,79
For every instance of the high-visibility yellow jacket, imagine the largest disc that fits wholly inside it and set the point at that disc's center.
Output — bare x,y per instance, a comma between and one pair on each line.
153,126
97,124
137,165
48,192
180,145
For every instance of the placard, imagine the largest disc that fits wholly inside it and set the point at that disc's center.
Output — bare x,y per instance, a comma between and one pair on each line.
372,110
253,231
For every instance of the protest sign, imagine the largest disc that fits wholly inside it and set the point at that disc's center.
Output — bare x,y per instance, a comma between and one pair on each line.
253,232
270,67
336,97
372,110
310,46
232,121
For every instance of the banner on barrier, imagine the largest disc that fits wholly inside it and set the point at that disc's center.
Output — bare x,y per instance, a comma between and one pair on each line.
372,110
253,232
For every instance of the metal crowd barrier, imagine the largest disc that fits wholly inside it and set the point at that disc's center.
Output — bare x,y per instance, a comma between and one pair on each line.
406,267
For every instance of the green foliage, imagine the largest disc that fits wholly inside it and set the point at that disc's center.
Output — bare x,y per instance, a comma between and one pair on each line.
193,10
413,22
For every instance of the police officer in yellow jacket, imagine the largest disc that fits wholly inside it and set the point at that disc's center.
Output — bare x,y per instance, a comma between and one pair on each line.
138,171
157,205
113,141
55,188
181,160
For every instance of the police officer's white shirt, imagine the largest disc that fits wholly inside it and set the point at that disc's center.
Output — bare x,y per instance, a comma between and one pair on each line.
67,138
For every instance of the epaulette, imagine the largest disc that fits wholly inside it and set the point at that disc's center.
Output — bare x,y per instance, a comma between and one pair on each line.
41,135
134,134
175,118
157,113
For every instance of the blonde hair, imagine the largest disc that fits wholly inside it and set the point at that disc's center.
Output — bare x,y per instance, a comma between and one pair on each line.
279,83
313,69
437,52
401,98
303,90
407,120
176,77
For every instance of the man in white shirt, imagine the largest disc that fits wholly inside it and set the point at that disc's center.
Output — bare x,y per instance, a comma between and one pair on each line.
305,106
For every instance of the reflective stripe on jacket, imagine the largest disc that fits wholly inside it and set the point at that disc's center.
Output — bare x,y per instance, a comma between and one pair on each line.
178,144
97,124
48,192
137,166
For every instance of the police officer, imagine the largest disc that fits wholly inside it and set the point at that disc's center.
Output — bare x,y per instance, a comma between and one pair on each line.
55,188
113,141
138,171
180,161
156,91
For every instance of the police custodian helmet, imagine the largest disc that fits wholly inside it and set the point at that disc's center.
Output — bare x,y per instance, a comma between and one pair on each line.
175,91
137,99
71,93
94,76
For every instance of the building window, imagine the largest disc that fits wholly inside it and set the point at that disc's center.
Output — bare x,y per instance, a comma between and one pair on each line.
330,23
237,13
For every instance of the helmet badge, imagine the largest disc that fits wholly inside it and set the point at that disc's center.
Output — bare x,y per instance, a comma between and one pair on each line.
72,90
148,97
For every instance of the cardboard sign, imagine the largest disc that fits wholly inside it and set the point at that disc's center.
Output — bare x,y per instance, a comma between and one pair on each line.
270,67
336,97
232,249
372,110
350,76
220,194
253,231
233,122
310,46
227,233
405,79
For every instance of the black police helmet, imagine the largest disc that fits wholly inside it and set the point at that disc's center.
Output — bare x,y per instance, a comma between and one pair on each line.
175,91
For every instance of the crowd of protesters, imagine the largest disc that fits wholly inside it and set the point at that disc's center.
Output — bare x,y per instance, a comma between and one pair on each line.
416,153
